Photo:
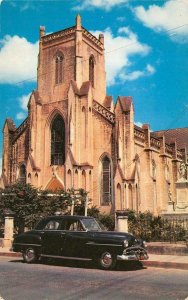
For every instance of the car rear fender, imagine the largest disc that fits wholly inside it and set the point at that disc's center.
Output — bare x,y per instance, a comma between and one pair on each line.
24,241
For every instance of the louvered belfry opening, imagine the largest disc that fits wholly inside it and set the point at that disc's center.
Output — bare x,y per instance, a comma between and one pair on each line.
58,141
59,69
91,70
106,181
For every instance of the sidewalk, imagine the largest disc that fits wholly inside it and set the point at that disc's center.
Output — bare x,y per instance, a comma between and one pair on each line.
167,261
155,260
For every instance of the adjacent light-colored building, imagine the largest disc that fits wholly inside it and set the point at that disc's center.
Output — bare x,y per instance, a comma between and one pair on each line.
74,135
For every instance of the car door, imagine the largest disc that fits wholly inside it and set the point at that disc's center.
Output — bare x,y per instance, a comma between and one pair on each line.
53,238
75,240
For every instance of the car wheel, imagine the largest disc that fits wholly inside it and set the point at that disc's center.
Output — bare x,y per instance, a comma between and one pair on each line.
107,261
30,256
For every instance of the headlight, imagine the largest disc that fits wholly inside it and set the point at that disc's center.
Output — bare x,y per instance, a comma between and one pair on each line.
125,243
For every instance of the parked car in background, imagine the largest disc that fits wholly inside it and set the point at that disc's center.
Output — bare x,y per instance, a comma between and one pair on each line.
78,238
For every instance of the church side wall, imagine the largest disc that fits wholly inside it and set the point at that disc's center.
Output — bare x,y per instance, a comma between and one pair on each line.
19,154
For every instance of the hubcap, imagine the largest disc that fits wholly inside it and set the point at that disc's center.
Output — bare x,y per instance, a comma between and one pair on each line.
107,259
30,254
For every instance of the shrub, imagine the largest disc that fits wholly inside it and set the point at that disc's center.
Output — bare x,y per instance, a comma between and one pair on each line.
155,228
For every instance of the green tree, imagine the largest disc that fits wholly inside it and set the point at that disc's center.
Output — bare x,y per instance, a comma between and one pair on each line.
30,204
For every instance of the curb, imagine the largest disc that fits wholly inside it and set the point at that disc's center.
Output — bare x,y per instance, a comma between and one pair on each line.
166,265
10,254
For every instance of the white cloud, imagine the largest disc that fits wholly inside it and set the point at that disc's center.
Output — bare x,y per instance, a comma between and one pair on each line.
119,50
149,70
139,124
23,101
103,4
171,18
18,59
20,116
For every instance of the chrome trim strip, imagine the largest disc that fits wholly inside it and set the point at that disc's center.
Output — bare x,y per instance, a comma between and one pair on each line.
66,257
22,244
98,244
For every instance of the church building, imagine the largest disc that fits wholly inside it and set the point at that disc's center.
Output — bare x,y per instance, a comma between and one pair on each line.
77,136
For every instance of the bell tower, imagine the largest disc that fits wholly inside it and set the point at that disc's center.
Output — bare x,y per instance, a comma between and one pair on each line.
72,54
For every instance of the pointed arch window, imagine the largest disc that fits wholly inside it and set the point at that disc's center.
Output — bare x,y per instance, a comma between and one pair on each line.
59,68
58,141
91,70
22,174
106,193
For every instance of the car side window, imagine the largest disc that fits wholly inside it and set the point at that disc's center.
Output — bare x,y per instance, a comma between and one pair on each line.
52,225
74,226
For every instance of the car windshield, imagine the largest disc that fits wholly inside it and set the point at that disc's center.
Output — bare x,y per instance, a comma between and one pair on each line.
91,224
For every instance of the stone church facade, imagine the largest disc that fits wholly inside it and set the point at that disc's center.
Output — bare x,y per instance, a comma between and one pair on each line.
74,135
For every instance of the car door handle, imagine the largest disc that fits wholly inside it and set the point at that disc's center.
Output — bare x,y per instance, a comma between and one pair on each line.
63,234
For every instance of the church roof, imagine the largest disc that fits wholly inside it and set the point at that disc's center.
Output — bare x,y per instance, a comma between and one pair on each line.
178,134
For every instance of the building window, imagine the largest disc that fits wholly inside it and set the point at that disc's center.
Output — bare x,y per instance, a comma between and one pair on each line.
59,69
22,174
84,180
91,70
69,179
130,197
58,141
106,193
119,197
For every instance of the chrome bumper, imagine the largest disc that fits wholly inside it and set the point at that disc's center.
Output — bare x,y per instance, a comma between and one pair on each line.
133,254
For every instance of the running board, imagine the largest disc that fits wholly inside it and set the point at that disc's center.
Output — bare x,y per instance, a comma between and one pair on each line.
66,257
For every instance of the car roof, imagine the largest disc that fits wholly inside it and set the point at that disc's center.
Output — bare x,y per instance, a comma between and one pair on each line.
68,217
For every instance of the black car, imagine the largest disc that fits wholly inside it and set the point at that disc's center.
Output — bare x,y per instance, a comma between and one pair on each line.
78,238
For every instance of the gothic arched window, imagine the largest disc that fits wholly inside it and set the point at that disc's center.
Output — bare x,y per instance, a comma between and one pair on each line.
106,186
59,68
58,141
22,174
91,70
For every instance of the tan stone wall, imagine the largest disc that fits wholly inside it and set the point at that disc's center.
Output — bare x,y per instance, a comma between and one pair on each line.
50,91
19,153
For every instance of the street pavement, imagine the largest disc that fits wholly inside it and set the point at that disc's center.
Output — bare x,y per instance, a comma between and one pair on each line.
155,260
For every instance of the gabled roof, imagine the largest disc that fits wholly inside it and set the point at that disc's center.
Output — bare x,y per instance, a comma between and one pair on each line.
178,134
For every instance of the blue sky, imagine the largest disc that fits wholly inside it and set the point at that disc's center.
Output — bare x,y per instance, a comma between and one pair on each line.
146,46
